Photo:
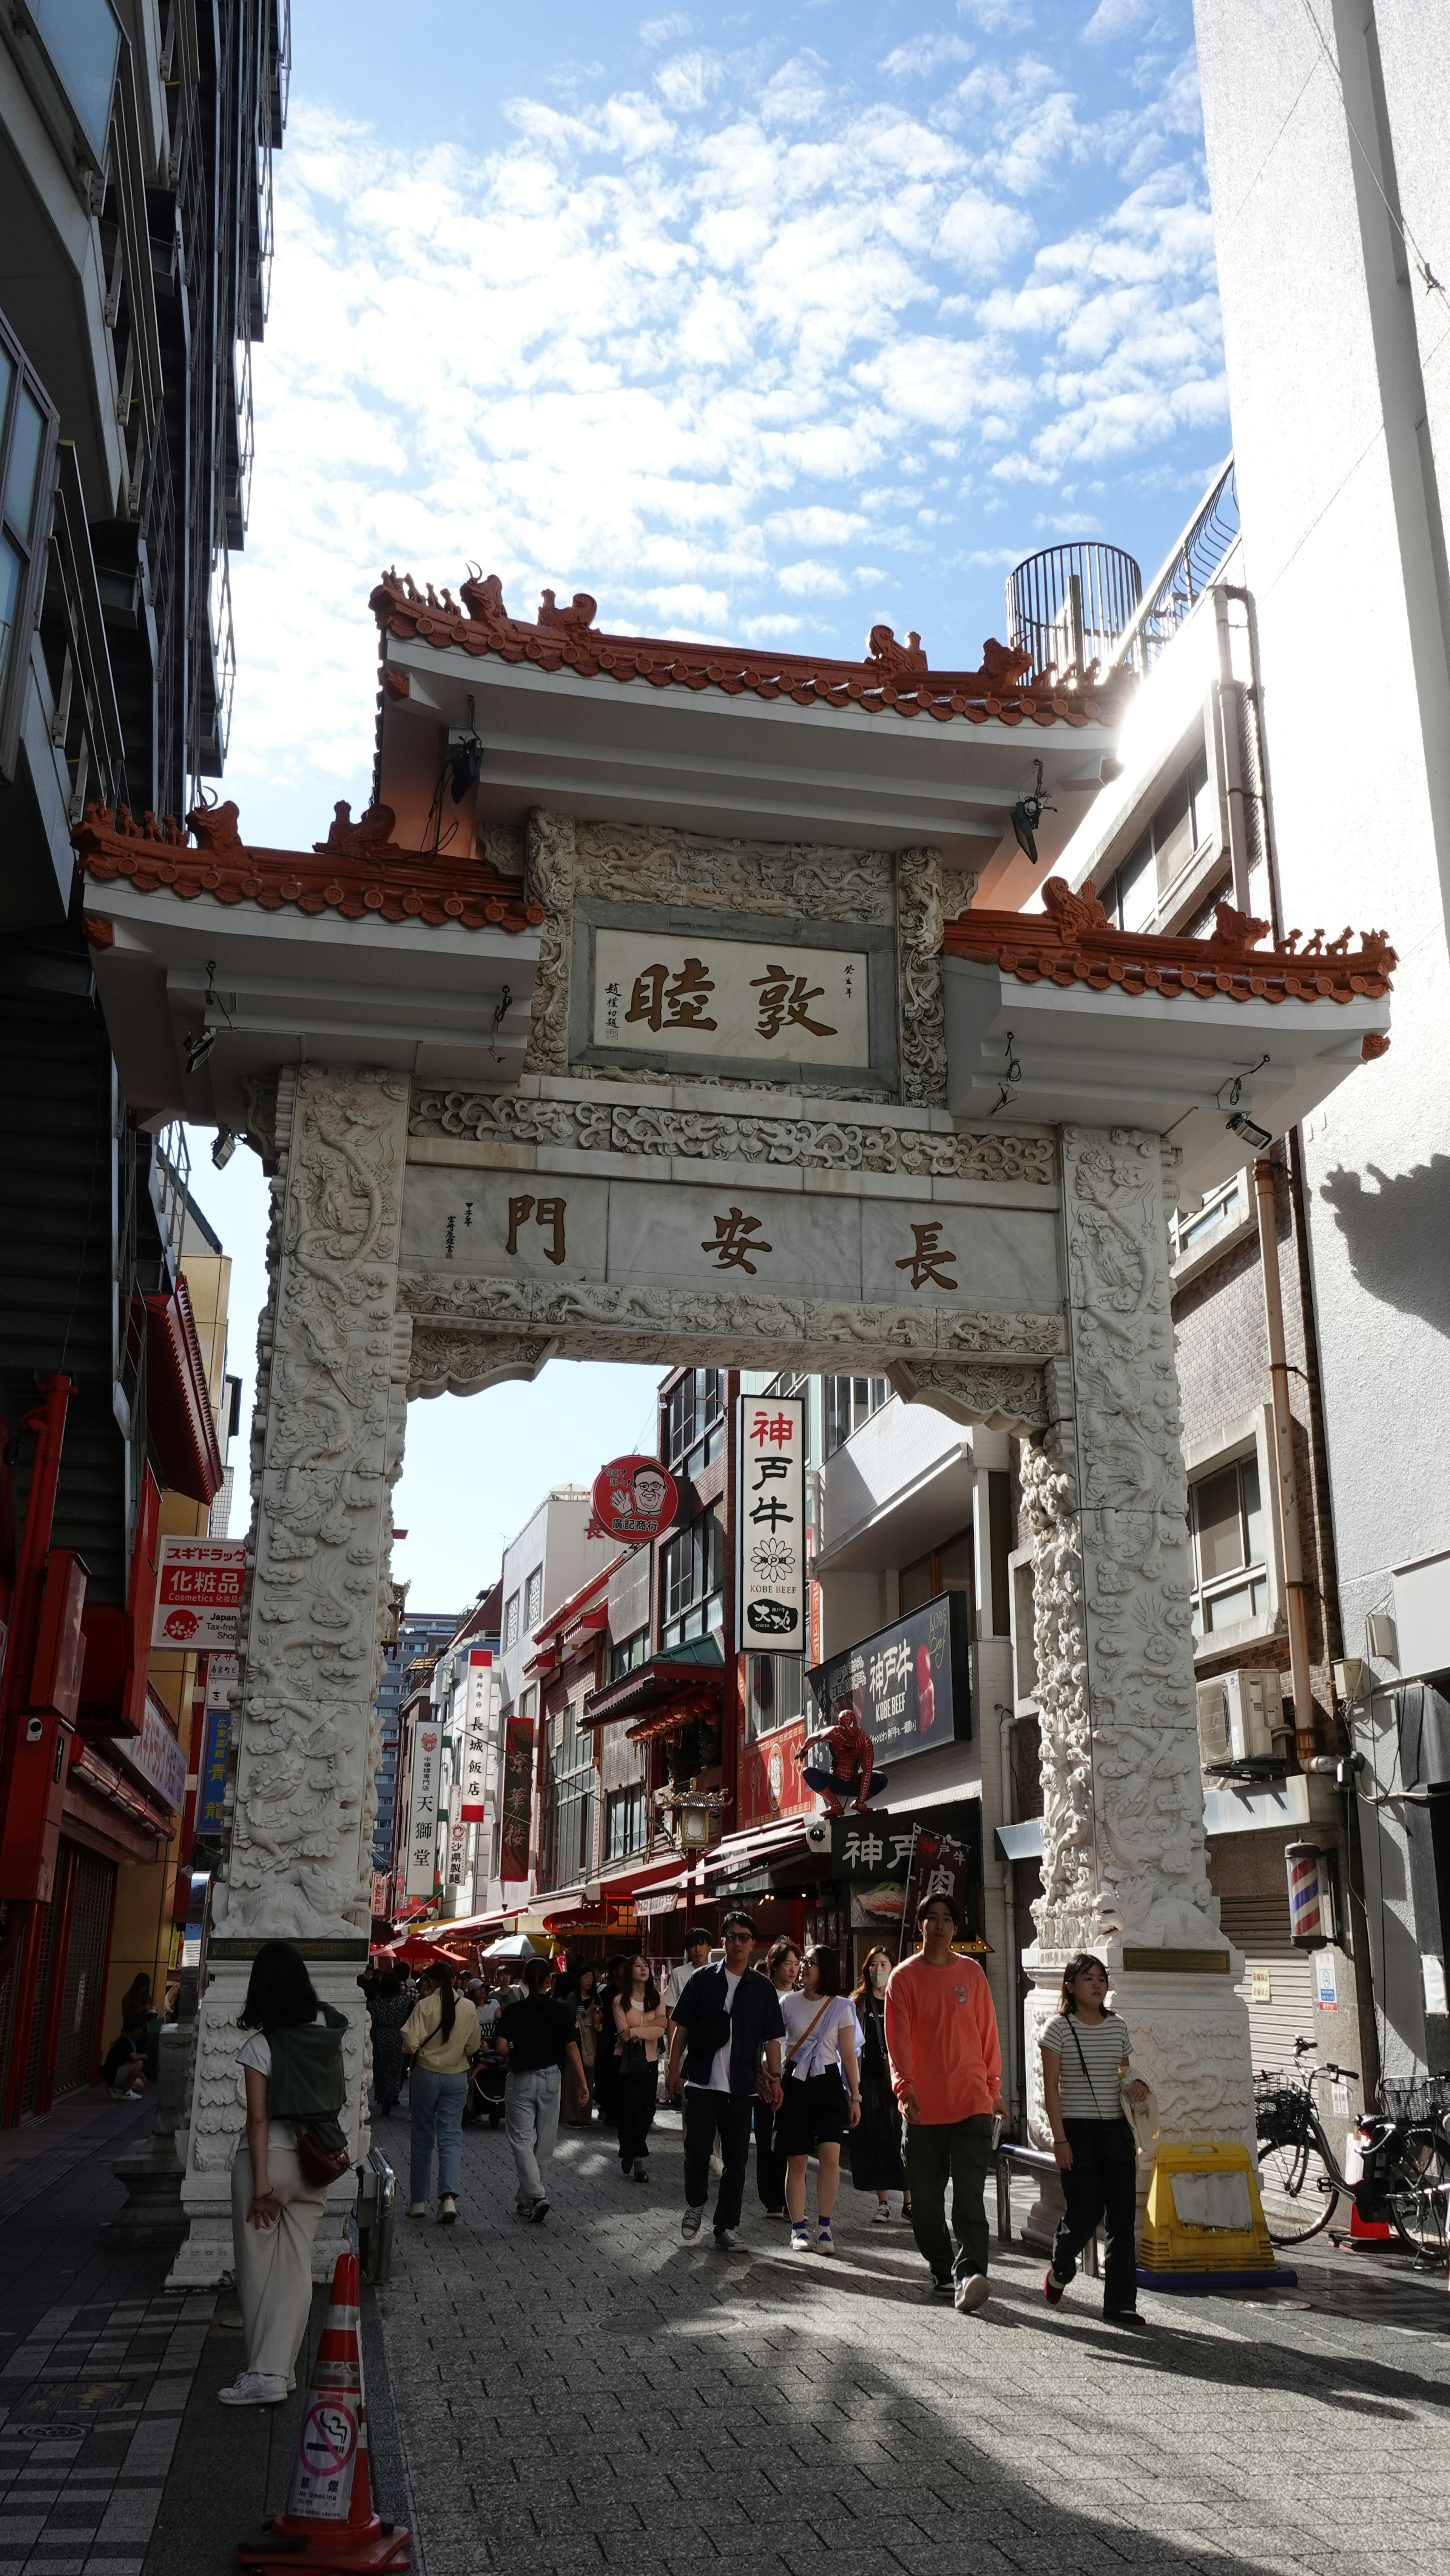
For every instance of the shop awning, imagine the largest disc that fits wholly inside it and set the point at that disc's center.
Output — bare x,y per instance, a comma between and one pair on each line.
701,1664
675,1713
178,1408
741,1853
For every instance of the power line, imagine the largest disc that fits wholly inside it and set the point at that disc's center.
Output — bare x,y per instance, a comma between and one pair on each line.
1432,282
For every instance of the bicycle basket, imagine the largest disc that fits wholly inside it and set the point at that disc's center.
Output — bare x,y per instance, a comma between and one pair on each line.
1282,2115
1418,2097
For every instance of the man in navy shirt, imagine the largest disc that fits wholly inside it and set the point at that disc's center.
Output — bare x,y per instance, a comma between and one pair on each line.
723,2019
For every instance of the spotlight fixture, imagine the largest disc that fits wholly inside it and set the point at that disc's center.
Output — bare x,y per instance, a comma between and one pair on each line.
465,760
224,1148
1257,1138
198,1048
1027,814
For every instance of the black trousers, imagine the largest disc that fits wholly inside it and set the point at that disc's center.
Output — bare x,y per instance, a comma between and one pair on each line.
708,2115
959,2151
636,2097
769,2161
1101,2183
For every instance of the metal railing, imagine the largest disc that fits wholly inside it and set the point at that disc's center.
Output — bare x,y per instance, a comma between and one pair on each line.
1030,2160
1189,571
1068,605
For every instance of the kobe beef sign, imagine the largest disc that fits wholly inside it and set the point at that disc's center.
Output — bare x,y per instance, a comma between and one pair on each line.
770,1525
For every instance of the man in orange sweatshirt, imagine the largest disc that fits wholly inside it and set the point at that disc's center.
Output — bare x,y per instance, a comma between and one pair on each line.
946,2067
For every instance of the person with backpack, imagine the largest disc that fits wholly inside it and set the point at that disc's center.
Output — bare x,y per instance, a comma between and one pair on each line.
293,2148
1086,2077
724,2019
439,2038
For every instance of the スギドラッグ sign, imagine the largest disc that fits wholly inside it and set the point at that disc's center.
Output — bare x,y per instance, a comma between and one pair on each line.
199,1594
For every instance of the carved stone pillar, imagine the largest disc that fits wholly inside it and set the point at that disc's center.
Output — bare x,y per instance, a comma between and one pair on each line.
326,1450
1105,1500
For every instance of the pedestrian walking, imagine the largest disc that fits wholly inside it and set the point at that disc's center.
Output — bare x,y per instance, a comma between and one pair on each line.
724,2018
874,2145
606,2055
946,2061
439,2038
822,2095
783,1967
697,1955
388,2010
295,2090
639,2022
537,2040
1086,2077
584,2003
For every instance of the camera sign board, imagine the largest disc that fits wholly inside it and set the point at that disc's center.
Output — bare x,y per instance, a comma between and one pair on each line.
770,1525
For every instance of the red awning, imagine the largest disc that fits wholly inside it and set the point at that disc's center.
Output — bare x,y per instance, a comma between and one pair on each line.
178,1408
680,1712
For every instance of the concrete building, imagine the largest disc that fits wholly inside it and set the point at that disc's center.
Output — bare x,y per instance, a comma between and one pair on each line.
1324,141
421,1633
548,1561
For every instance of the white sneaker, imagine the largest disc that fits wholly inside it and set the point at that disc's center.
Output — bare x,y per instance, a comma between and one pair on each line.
800,2242
825,2241
255,2388
971,2293
881,2214
417,2209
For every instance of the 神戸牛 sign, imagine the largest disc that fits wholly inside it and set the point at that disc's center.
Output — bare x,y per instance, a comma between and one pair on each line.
518,1789
910,1684
634,1499
757,1002
423,1789
199,1594
770,1525
892,1864
474,1756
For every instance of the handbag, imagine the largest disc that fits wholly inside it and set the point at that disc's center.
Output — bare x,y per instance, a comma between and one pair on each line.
786,2063
321,2164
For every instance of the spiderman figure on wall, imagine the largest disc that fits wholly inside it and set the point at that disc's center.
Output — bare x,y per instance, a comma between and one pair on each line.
852,1777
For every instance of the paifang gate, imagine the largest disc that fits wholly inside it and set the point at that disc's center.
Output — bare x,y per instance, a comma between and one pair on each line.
689,1045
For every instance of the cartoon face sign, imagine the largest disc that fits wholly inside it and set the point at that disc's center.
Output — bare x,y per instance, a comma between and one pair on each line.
649,1490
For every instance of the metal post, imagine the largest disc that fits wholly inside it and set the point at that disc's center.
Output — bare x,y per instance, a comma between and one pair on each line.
1286,1484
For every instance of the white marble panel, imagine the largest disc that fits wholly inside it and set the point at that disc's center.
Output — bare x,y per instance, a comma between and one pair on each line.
734,1238
461,1220
958,1256
769,1002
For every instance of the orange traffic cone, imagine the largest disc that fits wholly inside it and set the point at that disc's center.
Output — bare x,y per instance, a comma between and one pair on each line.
329,2522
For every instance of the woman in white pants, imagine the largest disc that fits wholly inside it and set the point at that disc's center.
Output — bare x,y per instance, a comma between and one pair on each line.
292,2056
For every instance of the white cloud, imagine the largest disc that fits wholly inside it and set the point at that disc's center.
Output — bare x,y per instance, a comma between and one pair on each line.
1114,18
978,234
925,54
810,580
992,15
664,31
764,630
816,526
688,80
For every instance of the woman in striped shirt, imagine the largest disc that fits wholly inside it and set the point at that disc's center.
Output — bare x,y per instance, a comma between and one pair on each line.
1085,2076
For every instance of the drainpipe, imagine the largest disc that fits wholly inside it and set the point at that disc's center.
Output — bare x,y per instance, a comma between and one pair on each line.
1016,2087
1229,694
1306,1731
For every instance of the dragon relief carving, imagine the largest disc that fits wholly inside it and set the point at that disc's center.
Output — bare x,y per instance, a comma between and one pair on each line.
919,977
1123,1807
333,1355
549,879
592,1125
625,863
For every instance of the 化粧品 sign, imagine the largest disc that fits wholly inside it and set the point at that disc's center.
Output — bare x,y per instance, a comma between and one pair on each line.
199,1594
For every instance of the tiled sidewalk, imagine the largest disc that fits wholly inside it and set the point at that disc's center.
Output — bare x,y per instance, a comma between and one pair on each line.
594,2393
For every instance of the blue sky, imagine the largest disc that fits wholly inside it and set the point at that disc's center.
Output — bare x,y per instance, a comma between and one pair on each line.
762,324
758,323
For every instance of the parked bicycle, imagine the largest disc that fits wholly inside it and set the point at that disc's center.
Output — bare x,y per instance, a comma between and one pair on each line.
1404,2154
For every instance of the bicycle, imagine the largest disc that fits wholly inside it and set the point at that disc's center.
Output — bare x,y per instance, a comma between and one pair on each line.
1405,2161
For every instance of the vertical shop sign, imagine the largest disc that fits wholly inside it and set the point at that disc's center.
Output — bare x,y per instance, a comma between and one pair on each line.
518,1778
475,1743
222,1673
770,1525
423,1808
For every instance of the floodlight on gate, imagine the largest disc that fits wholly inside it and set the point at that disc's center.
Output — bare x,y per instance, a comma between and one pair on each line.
1027,814
1257,1138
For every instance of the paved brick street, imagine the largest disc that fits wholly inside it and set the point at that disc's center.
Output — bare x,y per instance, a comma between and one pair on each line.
594,2393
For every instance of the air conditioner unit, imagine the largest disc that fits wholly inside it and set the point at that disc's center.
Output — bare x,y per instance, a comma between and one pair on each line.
1239,1715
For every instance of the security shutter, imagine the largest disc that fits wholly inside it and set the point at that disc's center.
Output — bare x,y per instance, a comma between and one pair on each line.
1259,1926
77,2044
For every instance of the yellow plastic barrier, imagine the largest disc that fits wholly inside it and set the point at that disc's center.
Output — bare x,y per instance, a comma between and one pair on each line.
1204,2225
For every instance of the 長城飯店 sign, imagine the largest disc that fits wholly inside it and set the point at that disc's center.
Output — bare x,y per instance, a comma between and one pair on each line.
910,1684
478,1714
770,1525
199,1594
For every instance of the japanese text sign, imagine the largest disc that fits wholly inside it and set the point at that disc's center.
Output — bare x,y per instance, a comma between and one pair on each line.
157,1756
910,1684
518,1784
211,1785
423,1807
474,1771
770,1525
199,1594
771,1002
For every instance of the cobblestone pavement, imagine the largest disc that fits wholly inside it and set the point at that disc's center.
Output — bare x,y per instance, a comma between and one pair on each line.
594,2393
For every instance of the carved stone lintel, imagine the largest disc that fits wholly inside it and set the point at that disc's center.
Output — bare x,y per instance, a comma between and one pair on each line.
636,863
840,1144
1001,1399
445,1361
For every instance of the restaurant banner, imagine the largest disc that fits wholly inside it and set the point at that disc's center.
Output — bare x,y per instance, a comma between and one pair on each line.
910,1684
770,1525
473,1759
892,1864
423,1807
211,1782
518,1787
199,1594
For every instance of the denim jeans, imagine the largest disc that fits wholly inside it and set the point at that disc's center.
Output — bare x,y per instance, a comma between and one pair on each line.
531,2117
437,2106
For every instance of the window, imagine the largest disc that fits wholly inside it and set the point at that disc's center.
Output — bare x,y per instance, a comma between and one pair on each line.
692,1582
535,1610
1179,829
1230,1568
692,1422
624,1821
850,1401
947,1568
628,1655
772,1693
1217,1214
568,1840
26,448
511,1622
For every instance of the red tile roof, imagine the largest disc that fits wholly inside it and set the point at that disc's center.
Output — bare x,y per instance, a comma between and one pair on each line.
1073,942
891,678
357,871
